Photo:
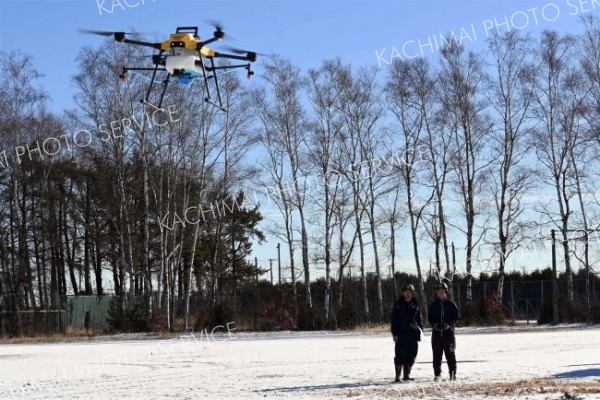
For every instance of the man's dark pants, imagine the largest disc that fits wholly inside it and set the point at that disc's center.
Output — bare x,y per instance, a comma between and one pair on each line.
406,350
443,343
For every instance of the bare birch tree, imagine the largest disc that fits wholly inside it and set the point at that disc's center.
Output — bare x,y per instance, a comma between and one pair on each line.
511,95
461,87
556,107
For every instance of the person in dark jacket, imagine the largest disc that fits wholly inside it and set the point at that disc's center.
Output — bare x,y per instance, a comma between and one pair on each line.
406,331
443,316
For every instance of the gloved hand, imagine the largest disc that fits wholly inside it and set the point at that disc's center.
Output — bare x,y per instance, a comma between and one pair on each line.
395,339
446,327
436,327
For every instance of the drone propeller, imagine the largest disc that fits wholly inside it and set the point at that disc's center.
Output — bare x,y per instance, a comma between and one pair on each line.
119,36
93,32
215,24
242,51
219,29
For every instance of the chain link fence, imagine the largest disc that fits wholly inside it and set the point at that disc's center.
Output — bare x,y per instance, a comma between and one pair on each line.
266,307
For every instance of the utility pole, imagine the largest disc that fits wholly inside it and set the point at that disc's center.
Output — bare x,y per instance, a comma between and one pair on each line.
232,271
279,260
271,268
453,259
554,281
451,281
587,274
430,270
257,290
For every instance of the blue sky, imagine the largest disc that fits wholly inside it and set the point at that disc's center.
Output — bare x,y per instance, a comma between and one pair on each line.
304,31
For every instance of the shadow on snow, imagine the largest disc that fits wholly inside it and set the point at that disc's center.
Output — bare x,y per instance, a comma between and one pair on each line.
326,387
581,373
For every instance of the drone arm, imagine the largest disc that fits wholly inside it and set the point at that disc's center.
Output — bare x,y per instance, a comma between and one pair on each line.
206,52
208,41
125,69
227,67
248,57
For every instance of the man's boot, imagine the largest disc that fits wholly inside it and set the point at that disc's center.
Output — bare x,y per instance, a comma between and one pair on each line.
407,369
398,372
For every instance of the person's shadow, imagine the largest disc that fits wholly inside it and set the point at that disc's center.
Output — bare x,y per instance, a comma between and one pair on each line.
580,373
325,387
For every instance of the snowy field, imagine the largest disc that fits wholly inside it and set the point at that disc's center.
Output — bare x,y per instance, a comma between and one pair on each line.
538,363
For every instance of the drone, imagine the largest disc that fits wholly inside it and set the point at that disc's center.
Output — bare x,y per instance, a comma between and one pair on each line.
185,57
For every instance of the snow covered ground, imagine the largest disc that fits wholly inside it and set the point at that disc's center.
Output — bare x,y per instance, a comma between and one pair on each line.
523,363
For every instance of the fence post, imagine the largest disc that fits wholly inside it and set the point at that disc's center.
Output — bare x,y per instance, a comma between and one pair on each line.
554,281
512,301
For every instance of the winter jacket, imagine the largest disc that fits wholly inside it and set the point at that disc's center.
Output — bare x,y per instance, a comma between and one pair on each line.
406,319
443,313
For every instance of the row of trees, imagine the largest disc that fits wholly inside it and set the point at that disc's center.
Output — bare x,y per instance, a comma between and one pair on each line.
492,149
150,204
486,149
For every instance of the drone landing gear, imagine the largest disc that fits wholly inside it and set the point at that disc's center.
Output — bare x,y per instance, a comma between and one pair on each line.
146,99
212,103
208,73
